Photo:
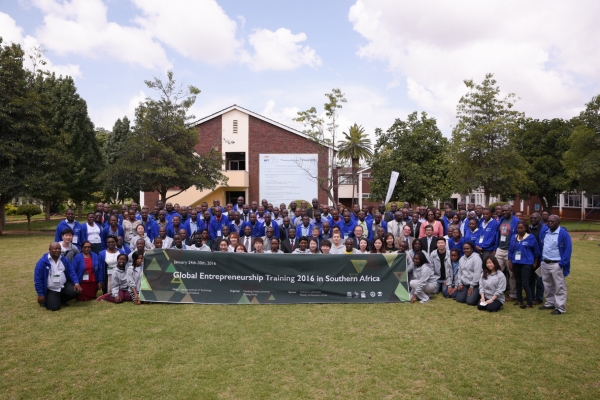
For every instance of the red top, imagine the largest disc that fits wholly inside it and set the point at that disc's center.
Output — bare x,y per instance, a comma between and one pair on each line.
89,269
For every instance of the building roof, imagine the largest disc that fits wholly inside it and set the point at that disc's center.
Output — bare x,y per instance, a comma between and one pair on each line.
258,116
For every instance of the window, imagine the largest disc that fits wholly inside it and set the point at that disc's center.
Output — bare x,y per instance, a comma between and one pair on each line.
366,175
235,126
572,200
366,195
235,161
557,201
593,201
346,180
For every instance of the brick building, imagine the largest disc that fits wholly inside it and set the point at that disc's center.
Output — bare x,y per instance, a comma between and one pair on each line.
242,136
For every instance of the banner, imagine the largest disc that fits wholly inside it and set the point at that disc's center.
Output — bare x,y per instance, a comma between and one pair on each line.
187,276
393,180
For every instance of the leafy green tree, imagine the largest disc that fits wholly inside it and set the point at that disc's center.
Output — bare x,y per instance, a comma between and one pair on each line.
28,210
316,127
159,152
356,147
542,145
118,185
416,149
25,159
582,159
74,141
484,155
101,137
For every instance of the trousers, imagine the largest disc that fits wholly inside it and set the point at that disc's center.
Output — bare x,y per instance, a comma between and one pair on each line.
522,274
492,307
502,256
462,297
422,292
54,300
555,286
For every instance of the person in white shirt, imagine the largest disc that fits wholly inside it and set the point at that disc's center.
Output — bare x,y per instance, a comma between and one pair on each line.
141,234
424,281
313,246
274,247
337,247
198,245
303,243
363,245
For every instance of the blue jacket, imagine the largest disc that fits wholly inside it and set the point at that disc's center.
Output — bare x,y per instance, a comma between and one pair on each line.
102,259
528,247
169,217
106,232
171,229
459,245
347,229
125,250
256,229
214,226
79,267
42,269
62,225
151,228
299,231
513,229
188,227
565,247
263,230
84,231
472,237
490,234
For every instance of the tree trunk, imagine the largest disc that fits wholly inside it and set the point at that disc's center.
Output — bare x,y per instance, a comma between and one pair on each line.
79,205
163,196
2,213
28,222
486,195
47,204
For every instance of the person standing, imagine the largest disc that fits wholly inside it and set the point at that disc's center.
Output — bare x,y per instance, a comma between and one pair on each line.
129,226
507,226
55,280
523,257
535,281
71,223
556,265
92,232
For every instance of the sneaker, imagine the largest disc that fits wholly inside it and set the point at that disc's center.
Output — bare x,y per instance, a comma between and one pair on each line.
544,307
556,312
424,301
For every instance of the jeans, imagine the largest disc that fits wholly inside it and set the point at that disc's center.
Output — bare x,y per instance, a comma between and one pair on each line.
54,300
536,283
522,273
462,297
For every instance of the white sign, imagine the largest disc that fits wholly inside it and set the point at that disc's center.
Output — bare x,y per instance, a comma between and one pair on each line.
393,180
287,177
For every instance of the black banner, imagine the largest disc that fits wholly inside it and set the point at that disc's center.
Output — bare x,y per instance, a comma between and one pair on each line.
187,276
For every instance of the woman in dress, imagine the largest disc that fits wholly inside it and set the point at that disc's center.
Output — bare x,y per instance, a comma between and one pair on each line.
89,271
438,228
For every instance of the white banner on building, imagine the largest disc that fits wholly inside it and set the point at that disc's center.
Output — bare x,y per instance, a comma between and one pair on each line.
393,181
287,177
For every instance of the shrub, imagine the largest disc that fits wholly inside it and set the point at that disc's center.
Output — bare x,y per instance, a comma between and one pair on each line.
29,210
9,209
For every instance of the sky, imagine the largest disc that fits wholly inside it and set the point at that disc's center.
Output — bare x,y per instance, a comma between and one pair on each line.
389,57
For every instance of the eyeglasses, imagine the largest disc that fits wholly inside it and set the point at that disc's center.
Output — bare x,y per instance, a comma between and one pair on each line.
86,247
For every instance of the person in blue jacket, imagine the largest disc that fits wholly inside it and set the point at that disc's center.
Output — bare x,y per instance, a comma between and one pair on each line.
150,226
92,232
253,224
488,227
217,222
346,226
556,265
55,280
507,227
112,229
89,270
170,212
69,222
523,257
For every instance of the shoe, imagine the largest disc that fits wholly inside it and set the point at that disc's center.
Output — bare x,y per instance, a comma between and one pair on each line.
526,306
518,303
536,302
546,308
556,312
510,299
424,301
64,304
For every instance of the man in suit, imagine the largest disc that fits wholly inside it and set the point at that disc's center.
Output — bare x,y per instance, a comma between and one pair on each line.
246,238
284,228
428,242
358,235
396,225
415,225
405,237
290,244
269,234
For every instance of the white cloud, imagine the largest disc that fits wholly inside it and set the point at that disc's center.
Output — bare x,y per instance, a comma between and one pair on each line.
81,27
280,50
544,51
105,117
199,29
11,32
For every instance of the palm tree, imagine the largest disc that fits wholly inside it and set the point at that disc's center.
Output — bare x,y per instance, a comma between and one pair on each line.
356,146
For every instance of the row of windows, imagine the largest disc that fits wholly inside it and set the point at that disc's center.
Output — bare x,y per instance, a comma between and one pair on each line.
574,200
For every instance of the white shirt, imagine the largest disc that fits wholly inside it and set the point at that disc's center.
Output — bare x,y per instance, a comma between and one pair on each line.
298,251
111,261
201,248
272,252
337,250
94,234
167,242
56,275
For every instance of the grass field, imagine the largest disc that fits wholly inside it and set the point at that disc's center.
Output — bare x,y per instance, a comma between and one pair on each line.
437,350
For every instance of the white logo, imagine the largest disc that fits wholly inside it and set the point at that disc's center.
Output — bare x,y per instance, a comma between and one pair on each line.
363,295
349,295
372,294
379,294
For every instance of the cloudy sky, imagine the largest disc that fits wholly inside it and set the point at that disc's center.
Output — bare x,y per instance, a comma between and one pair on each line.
390,57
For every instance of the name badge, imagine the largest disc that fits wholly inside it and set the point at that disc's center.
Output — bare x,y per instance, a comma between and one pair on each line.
518,256
75,239
345,236
56,278
86,277
503,238
110,271
480,239
218,233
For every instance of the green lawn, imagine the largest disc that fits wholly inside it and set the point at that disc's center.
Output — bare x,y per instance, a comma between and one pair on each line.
437,350
37,225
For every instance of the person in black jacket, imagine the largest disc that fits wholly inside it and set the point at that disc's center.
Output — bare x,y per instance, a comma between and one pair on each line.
290,244
429,242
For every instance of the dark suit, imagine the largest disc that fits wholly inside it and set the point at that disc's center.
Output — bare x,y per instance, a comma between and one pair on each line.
217,241
286,246
243,241
414,230
388,216
432,245
283,231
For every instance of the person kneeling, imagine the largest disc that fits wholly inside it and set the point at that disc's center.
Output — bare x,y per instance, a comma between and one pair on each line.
469,271
134,277
491,286
119,286
424,280
55,280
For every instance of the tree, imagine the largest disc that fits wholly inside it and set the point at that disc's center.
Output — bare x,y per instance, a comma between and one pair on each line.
416,149
356,147
542,144
25,158
315,128
74,141
484,155
118,185
159,152
582,159
28,210
102,136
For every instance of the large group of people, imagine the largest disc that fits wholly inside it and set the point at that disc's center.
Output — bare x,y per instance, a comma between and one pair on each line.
472,255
